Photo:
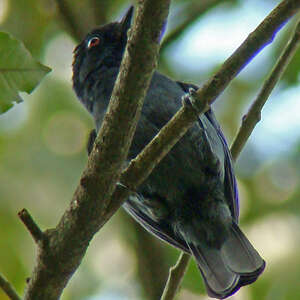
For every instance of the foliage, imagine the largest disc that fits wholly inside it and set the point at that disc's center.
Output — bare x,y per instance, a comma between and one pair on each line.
18,71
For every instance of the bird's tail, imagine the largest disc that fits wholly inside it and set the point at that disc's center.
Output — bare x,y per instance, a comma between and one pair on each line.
226,269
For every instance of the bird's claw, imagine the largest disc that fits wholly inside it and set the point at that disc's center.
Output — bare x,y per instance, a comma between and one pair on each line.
189,99
126,187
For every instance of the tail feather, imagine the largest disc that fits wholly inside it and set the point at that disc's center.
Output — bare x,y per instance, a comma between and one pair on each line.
239,255
218,279
228,268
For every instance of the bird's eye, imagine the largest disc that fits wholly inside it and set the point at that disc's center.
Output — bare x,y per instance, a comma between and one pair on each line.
94,41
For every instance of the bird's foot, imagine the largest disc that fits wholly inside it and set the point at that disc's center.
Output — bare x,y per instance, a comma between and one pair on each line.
126,187
191,99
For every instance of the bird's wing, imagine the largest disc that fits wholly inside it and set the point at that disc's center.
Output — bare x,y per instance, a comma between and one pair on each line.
158,228
230,184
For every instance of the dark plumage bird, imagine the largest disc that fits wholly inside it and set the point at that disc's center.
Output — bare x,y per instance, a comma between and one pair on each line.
190,200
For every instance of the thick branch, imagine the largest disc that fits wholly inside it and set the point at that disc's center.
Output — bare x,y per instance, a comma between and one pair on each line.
8,289
63,248
254,113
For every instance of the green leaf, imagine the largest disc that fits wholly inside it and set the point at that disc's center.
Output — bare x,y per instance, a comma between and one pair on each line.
19,72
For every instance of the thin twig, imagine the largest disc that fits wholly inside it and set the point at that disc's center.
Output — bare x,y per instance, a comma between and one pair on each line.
247,50
248,124
253,115
151,257
176,274
31,226
8,289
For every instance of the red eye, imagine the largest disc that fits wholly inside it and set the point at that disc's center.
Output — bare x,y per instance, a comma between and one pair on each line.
94,41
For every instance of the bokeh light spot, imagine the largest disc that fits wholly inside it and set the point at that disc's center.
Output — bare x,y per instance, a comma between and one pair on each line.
59,56
14,118
274,237
4,5
277,182
65,134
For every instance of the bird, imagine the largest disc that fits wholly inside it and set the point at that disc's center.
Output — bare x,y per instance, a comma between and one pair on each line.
190,200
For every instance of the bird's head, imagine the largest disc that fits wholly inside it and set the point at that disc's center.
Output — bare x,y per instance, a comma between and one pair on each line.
103,46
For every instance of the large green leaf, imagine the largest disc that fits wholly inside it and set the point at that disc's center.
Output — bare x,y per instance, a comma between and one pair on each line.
19,72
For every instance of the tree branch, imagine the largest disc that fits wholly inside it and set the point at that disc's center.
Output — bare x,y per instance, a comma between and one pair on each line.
253,115
63,248
249,122
254,43
8,289
176,274
31,226
151,256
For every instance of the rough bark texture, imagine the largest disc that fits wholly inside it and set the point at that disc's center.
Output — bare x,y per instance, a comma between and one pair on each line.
61,249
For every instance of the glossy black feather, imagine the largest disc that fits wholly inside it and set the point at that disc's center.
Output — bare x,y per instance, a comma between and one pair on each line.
190,200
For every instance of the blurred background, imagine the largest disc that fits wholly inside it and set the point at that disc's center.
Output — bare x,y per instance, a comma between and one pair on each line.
42,148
